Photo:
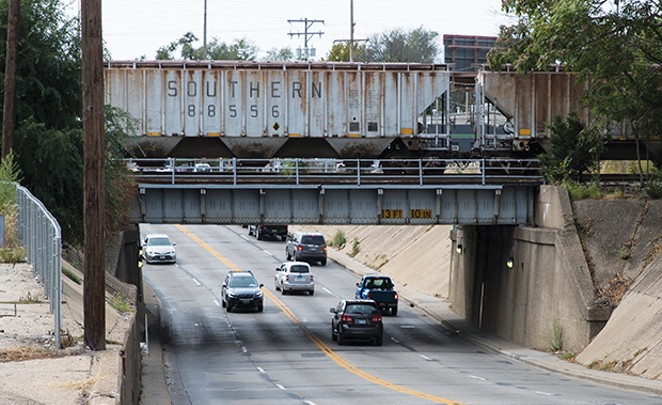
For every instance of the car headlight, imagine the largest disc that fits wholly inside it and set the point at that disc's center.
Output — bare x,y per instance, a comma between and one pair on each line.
259,294
232,295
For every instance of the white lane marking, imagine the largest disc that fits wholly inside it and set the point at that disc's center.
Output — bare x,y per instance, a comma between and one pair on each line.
544,393
197,282
243,349
261,370
244,237
478,378
218,304
281,387
327,290
426,358
267,252
309,402
395,340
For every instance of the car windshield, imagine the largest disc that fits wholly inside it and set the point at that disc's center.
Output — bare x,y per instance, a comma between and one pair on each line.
243,282
312,239
299,269
361,309
158,242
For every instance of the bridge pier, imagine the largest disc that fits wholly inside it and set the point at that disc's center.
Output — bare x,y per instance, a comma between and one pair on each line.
520,282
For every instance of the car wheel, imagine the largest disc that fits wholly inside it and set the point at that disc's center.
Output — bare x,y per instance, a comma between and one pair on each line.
334,337
229,308
378,341
260,308
323,262
311,292
276,286
258,235
394,311
250,232
223,303
341,339
287,256
282,290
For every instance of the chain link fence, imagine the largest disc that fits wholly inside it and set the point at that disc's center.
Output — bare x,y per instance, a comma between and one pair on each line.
41,236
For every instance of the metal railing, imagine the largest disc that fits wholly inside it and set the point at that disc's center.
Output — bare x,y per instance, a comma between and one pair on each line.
41,236
342,171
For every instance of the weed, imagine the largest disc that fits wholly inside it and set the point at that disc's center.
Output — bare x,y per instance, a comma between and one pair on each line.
29,299
72,275
15,255
355,247
121,304
556,342
338,240
567,356
579,191
638,352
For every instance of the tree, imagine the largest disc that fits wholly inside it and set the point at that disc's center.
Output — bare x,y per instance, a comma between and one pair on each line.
240,49
574,150
416,46
283,54
616,44
340,53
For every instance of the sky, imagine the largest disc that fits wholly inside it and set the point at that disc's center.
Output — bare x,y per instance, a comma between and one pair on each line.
133,28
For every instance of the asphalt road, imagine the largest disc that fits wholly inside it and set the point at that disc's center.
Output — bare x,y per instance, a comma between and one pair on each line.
285,354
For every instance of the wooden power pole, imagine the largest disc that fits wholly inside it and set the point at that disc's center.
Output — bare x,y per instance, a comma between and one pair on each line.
94,302
9,107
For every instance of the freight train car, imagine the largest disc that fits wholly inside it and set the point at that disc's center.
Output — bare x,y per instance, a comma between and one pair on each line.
515,112
267,110
277,109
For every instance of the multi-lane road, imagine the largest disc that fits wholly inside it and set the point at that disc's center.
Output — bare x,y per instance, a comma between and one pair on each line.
285,354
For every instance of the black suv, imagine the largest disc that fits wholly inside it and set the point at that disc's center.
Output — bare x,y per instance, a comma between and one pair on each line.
261,231
306,247
240,289
357,319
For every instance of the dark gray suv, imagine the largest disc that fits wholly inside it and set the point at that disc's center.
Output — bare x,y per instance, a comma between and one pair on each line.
306,247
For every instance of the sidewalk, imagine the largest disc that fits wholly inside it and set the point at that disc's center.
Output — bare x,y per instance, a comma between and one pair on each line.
438,308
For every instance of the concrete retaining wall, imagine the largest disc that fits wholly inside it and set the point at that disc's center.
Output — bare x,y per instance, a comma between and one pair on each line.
545,296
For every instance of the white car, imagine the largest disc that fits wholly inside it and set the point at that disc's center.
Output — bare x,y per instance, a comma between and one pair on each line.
294,276
158,248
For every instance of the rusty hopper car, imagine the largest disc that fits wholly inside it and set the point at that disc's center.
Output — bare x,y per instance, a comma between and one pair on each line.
281,109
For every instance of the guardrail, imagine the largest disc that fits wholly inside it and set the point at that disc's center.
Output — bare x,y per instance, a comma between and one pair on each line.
41,236
337,171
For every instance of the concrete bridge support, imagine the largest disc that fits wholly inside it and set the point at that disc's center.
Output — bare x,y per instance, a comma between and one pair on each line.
530,285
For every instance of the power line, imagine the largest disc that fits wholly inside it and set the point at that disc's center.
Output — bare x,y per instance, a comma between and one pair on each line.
306,35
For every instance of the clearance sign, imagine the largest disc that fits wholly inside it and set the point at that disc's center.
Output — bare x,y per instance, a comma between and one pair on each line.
400,214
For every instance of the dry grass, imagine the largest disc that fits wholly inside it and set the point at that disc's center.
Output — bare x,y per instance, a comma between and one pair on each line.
23,353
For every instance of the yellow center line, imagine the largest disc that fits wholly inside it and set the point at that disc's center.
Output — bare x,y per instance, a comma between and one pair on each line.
320,344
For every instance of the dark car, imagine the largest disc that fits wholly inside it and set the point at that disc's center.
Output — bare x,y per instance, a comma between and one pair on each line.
261,231
357,319
241,290
306,247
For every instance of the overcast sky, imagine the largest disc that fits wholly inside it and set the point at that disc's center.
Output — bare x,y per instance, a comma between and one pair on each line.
132,28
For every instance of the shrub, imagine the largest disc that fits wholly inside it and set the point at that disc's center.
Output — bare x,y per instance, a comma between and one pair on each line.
339,239
355,247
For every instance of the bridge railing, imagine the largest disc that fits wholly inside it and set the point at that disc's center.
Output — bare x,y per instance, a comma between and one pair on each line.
341,171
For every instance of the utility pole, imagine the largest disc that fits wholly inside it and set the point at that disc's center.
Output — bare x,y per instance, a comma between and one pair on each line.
306,35
351,39
204,35
94,298
9,110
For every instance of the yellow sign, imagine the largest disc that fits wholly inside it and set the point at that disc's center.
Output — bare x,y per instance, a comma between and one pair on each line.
392,214
420,214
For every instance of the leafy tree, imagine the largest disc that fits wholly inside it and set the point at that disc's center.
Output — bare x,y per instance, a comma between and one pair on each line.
416,46
340,53
283,54
240,49
48,141
616,44
573,151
